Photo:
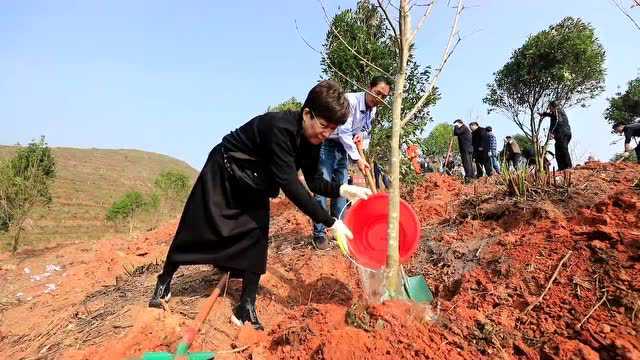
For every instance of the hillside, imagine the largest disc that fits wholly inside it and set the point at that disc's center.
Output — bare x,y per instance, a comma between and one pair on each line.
87,183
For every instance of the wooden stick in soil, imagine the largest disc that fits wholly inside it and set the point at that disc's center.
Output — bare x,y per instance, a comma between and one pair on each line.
555,274
446,159
192,331
367,174
592,310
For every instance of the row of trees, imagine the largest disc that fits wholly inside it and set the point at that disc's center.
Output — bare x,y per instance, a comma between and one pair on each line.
564,63
25,183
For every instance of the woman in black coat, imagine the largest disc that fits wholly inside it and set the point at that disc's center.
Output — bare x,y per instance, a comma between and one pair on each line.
225,221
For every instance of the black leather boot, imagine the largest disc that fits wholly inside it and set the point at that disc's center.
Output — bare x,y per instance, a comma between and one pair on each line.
246,311
162,292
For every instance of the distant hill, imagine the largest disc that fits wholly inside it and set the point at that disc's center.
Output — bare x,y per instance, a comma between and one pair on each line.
87,182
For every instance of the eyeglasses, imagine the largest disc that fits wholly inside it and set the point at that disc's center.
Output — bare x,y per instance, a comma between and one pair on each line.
323,124
380,94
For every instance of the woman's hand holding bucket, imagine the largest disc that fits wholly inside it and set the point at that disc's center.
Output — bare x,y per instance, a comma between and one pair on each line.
342,234
354,193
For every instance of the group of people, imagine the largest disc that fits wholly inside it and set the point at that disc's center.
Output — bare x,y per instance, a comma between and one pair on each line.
225,221
479,151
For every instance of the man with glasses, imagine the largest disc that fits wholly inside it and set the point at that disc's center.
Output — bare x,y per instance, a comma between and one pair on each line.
341,145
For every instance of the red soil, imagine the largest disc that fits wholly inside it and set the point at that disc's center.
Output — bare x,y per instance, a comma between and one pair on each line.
486,264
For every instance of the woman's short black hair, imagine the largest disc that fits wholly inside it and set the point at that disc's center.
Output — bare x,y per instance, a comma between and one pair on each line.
327,101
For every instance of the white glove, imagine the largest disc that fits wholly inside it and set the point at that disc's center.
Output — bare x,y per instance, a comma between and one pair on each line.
625,154
354,193
342,234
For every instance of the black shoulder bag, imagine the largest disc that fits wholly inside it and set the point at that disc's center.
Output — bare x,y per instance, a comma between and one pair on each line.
247,170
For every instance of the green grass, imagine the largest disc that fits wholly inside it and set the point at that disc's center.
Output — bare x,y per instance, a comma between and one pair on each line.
87,182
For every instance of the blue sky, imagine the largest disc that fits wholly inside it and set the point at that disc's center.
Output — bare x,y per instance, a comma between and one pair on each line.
174,77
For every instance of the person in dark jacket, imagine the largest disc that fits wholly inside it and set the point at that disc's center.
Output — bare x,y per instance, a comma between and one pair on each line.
629,131
560,131
512,152
465,146
529,157
225,221
481,144
381,178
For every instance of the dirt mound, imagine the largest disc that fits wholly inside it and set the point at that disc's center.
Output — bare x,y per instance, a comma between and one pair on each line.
394,330
492,263
433,199
287,221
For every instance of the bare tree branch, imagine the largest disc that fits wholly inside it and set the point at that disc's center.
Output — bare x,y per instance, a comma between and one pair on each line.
626,13
393,6
393,28
326,17
445,58
423,19
338,71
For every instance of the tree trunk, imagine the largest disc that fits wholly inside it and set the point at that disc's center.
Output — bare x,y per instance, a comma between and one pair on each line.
16,240
20,219
394,285
535,137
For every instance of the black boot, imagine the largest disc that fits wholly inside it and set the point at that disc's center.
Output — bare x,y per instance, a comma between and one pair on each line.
244,312
246,309
163,286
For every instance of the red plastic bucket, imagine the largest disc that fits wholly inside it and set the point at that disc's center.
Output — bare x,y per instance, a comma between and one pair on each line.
368,221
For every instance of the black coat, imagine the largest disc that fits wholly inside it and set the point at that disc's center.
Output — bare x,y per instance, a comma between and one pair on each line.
559,123
464,138
480,140
224,222
631,131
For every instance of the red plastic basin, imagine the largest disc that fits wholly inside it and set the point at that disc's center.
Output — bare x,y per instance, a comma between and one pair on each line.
368,221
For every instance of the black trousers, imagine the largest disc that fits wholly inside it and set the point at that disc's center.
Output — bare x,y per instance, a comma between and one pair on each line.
638,154
483,161
467,164
562,151
379,174
515,160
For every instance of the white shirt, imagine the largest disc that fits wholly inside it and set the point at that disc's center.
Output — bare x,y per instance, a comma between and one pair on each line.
359,121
